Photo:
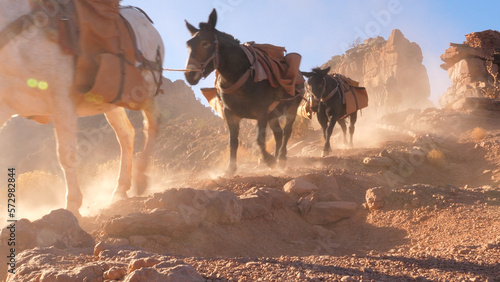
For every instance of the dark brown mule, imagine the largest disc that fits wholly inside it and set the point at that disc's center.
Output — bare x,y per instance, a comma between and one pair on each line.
330,108
210,49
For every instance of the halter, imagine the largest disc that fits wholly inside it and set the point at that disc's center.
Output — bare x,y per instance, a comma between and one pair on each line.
213,58
329,96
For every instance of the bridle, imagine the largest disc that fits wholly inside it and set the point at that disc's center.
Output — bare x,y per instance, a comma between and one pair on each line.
322,99
214,58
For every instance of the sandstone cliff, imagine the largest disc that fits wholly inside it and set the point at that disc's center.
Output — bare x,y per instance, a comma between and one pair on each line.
372,63
472,68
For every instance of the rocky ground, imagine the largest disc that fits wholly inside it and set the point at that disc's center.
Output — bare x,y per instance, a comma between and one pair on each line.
420,203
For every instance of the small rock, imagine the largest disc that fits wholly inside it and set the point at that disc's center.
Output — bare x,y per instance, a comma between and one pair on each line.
115,273
299,187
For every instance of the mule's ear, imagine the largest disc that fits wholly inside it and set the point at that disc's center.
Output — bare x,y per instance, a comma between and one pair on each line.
191,28
307,74
212,20
325,71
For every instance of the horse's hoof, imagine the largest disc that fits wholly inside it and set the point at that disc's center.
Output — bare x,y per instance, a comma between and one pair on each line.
141,185
118,195
325,153
74,209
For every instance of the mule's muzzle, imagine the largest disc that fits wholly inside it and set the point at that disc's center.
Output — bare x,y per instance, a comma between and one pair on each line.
193,71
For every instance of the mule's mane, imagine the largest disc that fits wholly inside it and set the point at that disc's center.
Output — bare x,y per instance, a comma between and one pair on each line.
317,70
226,37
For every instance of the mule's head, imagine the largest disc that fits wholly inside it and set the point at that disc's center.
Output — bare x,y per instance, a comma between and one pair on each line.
316,81
202,50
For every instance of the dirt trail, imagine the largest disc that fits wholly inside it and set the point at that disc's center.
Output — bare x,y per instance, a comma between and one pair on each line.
440,220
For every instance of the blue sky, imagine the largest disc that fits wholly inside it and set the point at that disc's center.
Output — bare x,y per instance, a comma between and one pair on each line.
320,29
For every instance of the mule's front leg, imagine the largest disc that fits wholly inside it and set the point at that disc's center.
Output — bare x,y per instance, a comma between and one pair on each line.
125,133
261,141
233,124
290,119
328,133
65,127
323,121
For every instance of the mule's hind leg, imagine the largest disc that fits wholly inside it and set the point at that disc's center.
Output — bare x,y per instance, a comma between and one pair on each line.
342,124
125,133
151,123
261,141
353,118
65,127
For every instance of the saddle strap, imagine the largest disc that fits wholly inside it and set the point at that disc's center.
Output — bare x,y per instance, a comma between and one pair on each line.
236,85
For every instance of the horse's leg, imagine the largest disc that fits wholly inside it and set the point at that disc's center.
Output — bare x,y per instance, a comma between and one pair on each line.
275,126
353,118
125,133
65,126
261,141
151,123
327,149
233,124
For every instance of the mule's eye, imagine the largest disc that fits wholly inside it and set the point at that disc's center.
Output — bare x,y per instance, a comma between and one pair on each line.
205,44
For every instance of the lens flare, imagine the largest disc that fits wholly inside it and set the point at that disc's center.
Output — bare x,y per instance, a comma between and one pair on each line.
43,85
32,82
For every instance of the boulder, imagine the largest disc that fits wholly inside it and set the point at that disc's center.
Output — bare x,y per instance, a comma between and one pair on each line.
330,212
59,228
327,184
181,272
375,198
171,223
261,201
305,203
224,207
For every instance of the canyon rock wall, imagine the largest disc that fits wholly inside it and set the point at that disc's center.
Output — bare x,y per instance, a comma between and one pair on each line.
472,68
373,62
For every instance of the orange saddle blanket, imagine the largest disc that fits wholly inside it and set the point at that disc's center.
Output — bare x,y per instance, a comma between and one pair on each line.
270,63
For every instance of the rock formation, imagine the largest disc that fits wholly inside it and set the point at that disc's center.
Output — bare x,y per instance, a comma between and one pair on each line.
472,68
373,62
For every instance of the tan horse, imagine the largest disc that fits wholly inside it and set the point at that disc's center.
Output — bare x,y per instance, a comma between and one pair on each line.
36,80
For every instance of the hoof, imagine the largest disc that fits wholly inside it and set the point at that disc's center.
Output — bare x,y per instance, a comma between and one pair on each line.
270,161
325,153
118,195
74,207
141,185
229,173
